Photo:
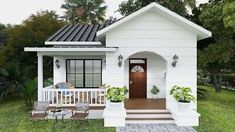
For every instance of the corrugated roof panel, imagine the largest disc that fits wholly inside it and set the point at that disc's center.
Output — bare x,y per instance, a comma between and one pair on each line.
81,32
86,34
75,32
62,33
92,36
55,34
69,32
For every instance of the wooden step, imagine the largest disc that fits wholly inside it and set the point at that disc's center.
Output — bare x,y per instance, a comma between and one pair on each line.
143,113
143,119
149,116
146,110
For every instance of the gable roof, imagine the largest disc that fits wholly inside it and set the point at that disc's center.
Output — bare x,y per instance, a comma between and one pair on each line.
201,32
77,34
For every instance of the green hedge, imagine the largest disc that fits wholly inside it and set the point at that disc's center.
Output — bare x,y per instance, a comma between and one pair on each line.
228,80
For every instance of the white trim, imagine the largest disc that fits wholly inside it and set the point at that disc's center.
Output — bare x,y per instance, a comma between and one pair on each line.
202,32
72,43
44,49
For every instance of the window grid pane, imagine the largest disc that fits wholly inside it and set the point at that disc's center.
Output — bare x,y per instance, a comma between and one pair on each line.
92,69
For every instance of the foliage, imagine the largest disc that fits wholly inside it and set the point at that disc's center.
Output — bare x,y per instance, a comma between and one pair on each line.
216,54
31,33
155,90
11,80
203,77
3,35
201,92
178,6
215,16
29,92
116,94
228,81
85,11
182,94
229,14
217,111
14,118
48,82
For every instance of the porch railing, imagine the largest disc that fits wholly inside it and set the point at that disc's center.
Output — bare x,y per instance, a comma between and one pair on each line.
69,97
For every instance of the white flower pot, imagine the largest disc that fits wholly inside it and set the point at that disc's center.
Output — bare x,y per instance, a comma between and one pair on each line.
184,107
154,96
115,106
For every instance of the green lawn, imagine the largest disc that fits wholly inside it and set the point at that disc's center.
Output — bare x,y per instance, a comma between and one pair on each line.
14,118
217,115
217,112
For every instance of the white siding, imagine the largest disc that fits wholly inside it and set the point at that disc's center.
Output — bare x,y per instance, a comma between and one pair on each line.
153,33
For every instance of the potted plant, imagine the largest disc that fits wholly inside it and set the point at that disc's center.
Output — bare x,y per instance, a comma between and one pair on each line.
183,95
116,96
155,90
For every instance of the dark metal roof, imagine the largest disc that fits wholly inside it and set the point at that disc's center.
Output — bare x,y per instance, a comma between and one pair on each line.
83,33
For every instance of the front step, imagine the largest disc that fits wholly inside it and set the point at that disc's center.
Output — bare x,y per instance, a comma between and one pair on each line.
148,116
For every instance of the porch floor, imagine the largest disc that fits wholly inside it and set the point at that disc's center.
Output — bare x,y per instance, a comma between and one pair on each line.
145,103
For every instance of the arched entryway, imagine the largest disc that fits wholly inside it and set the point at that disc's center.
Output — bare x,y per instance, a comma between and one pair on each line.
143,70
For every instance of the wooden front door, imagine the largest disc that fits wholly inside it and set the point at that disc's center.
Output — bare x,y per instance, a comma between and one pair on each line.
137,78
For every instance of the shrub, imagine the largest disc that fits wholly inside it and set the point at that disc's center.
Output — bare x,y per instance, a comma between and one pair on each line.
201,92
116,94
182,94
228,80
155,90
29,92
203,77
48,82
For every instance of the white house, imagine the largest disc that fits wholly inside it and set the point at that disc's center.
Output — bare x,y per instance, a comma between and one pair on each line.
144,42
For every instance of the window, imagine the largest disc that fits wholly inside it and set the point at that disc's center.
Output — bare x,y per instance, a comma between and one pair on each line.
137,68
84,73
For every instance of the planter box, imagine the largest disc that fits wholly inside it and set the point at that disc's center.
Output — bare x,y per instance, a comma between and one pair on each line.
184,107
114,118
190,118
114,115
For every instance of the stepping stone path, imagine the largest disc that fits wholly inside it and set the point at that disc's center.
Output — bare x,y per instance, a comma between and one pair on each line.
154,128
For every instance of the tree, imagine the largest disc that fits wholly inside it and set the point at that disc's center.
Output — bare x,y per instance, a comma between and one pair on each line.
31,33
178,6
3,35
219,55
85,11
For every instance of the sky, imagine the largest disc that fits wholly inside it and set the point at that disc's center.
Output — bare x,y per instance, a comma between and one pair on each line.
15,11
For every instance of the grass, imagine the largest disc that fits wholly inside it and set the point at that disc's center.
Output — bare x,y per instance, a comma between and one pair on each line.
217,115
14,118
217,111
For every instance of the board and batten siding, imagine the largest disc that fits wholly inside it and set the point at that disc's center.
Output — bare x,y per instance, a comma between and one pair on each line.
154,33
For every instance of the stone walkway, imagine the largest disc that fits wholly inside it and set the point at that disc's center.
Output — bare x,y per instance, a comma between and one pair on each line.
154,128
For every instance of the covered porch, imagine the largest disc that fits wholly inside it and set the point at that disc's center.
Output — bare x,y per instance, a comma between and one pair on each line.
62,56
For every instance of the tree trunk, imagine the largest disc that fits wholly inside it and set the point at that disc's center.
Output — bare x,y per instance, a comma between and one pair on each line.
217,82
220,83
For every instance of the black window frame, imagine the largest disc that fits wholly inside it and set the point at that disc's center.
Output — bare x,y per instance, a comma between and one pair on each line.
84,70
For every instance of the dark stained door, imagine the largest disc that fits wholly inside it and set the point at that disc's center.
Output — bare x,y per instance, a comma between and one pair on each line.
137,78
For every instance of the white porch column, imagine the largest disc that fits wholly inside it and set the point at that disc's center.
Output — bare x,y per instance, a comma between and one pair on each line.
40,76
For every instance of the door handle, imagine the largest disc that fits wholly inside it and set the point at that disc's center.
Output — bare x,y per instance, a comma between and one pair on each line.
130,82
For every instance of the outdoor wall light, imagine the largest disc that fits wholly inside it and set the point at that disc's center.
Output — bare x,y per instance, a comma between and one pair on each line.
57,63
175,60
120,59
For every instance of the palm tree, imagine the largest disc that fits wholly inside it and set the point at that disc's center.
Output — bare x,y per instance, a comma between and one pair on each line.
85,11
11,80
